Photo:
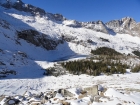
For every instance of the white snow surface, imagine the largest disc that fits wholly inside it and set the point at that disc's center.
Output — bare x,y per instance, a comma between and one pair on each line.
29,70
71,82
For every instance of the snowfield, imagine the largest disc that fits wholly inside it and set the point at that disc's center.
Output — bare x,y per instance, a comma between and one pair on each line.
120,89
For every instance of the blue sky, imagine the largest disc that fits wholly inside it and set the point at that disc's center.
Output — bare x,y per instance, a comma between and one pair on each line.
91,10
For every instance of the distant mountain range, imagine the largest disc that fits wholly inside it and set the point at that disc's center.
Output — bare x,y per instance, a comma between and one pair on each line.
125,25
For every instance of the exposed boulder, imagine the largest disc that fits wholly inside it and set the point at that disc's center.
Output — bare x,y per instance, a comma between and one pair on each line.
65,93
13,102
83,94
64,103
44,100
92,90
10,101
100,88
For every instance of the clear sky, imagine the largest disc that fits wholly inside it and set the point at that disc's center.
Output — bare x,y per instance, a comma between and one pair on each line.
91,10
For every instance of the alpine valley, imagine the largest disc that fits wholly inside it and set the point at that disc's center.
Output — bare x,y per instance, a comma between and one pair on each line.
38,50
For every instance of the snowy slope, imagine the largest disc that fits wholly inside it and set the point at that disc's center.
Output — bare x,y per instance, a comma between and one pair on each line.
13,20
22,21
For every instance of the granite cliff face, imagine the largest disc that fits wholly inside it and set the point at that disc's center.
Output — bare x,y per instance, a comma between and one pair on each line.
125,25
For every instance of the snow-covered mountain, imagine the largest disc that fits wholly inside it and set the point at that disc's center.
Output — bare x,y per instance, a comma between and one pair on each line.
30,36
33,39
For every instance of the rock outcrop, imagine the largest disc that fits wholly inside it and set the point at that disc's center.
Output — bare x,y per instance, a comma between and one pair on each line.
97,26
125,25
38,39
19,5
92,90
58,17
4,24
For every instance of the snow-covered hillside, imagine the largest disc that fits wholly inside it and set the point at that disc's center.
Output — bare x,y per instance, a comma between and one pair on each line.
32,41
14,21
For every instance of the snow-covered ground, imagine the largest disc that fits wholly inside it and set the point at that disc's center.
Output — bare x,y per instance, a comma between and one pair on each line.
128,84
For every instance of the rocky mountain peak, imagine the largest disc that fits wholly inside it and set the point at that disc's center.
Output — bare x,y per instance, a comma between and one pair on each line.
127,19
96,25
19,5
128,23
59,17
125,25
99,22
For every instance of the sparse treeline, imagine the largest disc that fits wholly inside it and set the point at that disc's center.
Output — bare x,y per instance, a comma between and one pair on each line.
136,69
94,68
104,60
108,62
105,51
